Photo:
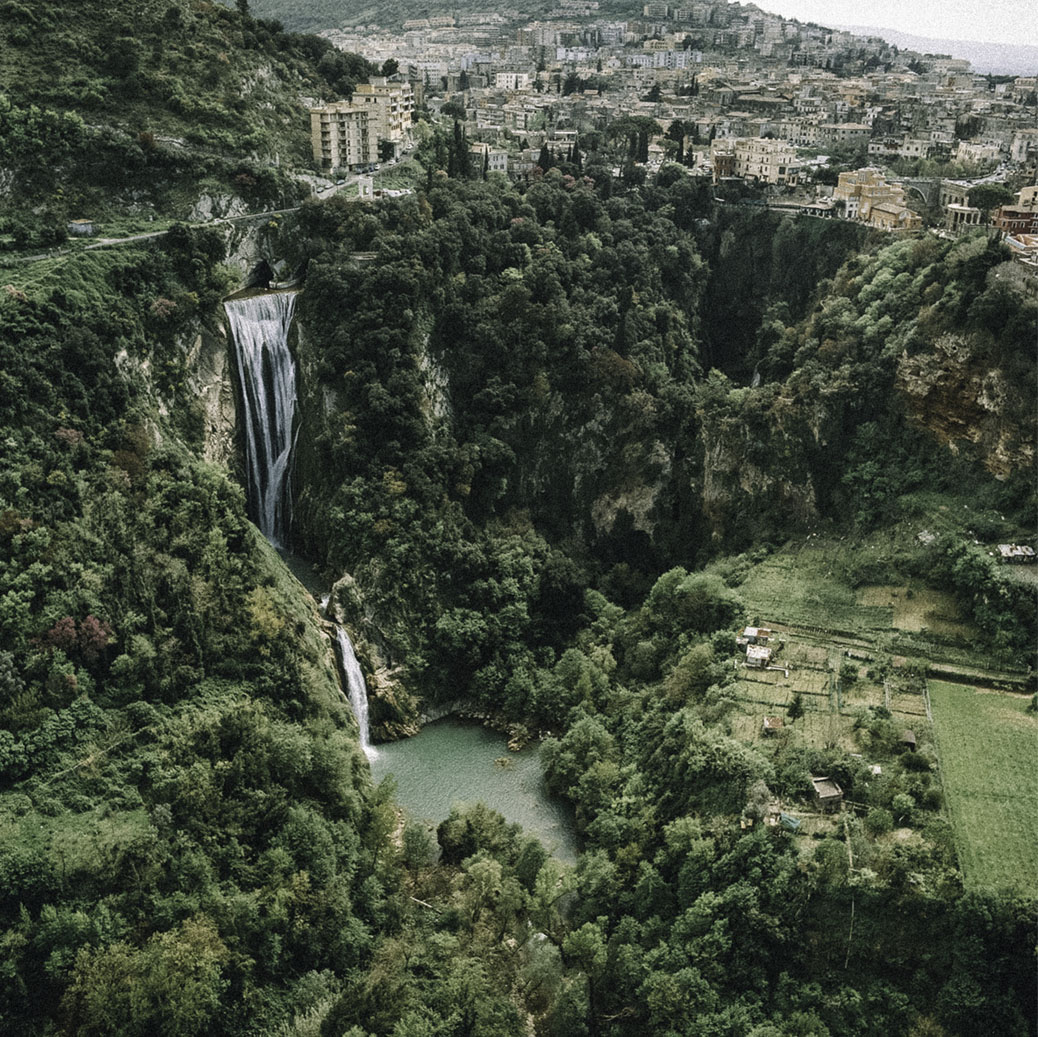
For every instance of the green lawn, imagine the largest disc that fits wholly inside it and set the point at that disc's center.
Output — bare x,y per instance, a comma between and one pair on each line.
988,747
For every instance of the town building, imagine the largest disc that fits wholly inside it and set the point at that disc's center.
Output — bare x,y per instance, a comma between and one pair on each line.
1016,219
488,158
343,137
392,107
978,153
766,161
868,197
959,218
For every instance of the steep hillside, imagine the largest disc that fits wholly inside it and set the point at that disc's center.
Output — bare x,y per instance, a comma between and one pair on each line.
185,817
107,110
314,15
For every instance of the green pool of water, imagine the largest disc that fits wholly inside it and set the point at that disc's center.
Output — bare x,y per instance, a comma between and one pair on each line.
451,761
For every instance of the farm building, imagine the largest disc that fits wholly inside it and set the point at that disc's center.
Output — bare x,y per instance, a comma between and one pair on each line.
828,795
1016,554
755,636
908,741
757,656
772,725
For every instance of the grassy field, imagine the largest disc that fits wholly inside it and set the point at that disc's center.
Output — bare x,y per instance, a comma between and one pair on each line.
802,584
988,745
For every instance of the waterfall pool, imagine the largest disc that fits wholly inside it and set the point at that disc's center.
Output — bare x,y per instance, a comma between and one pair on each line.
453,761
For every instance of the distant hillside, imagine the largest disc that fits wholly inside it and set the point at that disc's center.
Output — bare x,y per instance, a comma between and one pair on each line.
112,104
998,58
314,15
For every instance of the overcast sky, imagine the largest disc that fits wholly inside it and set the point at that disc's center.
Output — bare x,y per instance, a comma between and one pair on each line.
990,21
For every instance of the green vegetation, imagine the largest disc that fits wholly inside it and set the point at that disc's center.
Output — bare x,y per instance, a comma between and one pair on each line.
110,114
536,449
988,744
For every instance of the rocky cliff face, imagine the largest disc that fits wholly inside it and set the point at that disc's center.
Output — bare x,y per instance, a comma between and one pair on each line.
758,452
212,382
964,403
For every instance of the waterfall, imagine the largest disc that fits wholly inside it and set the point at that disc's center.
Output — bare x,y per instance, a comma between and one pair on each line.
356,689
259,326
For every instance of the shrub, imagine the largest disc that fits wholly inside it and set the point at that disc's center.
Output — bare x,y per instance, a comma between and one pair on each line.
879,821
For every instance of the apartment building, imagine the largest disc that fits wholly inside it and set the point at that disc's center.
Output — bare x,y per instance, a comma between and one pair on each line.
343,136
512,80
391,106
978,152
488,158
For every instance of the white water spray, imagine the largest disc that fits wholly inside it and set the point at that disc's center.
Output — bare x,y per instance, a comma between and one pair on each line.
357,690
259,326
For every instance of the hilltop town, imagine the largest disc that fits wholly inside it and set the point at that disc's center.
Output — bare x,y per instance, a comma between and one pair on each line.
828,123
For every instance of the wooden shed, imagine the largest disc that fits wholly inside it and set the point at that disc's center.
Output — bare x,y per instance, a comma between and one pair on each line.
908,741
772,725
828,795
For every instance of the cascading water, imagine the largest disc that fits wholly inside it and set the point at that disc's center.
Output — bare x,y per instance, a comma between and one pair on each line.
259,326
357,690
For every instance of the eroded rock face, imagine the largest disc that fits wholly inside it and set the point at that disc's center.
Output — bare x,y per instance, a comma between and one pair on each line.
961,401
211,383
217,207
638,496
756,469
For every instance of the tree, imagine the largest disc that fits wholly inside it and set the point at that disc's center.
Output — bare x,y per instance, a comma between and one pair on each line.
170,987
796,707
417,846
390,67
989,196
676,132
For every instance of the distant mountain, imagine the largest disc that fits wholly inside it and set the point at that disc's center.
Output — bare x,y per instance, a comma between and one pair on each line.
1011,59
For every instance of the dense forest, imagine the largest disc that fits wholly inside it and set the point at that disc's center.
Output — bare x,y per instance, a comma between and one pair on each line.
546,432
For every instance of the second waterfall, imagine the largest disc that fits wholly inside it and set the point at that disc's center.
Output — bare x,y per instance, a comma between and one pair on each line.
259,327
356,690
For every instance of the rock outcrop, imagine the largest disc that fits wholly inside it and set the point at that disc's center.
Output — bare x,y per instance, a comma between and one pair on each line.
963,402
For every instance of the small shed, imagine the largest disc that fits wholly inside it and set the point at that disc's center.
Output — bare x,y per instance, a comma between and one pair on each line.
828,795
755,636
81,228
789,822
908,741
772,725
1016,554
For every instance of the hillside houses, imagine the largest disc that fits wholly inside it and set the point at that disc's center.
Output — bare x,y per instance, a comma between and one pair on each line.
751,92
